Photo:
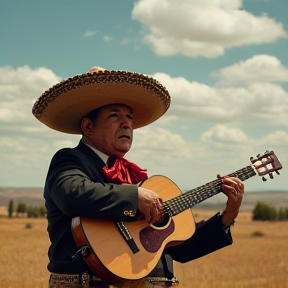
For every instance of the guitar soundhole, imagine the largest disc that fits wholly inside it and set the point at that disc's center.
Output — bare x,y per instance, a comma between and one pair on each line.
162,222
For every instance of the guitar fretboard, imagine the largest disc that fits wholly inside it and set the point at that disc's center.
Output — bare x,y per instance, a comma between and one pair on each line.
192,197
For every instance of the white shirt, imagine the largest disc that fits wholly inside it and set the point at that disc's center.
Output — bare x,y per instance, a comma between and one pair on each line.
102,155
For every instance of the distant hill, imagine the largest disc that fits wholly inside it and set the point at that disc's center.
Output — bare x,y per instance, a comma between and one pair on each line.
30,196
34,197
276,199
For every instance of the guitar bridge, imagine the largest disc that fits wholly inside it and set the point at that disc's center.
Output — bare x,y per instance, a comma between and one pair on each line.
124,231
127,237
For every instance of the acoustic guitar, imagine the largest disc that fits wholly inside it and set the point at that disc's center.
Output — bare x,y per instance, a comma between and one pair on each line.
131,250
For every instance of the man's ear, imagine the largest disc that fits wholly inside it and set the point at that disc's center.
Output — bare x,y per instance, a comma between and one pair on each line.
87,127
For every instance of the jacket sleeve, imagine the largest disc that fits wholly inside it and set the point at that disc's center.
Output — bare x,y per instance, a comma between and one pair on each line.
208,237
77,194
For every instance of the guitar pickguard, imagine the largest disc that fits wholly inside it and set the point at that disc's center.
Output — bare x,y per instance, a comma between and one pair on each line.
152,239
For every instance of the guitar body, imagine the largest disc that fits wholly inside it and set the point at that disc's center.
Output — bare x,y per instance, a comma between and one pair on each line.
111,258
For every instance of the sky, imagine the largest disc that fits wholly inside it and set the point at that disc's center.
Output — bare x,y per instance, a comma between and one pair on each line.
224,63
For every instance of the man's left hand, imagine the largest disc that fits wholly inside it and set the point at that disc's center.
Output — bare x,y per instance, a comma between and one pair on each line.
233,188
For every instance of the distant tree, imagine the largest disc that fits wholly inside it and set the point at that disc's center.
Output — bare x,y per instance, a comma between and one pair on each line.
10,208
32,212
21,208
283,214
42,211
273,215
286,210
36,211
263,211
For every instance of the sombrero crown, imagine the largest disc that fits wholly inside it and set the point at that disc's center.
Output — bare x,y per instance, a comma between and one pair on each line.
63,106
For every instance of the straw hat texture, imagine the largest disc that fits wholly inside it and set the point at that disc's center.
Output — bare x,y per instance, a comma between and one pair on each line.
63,106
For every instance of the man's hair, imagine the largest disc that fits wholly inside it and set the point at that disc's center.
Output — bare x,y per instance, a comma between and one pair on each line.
93,115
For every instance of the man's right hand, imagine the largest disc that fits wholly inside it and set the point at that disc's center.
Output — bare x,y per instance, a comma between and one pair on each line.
149,205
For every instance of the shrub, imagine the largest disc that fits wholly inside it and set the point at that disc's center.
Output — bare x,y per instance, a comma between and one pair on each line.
28,226
35,211
32,212
257,234
283,214
263,211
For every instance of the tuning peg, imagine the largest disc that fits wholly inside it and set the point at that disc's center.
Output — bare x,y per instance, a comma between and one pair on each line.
267,152
258,155
253,160
271,176
264,179
277,172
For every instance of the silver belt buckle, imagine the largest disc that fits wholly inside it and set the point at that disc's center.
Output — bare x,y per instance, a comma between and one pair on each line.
85,279
163,281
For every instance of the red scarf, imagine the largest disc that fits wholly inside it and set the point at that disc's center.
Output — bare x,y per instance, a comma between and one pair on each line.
119,170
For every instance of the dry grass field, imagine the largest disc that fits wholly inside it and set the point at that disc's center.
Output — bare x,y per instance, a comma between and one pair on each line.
250,262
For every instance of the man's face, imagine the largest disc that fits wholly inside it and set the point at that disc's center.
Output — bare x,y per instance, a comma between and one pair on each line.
113,133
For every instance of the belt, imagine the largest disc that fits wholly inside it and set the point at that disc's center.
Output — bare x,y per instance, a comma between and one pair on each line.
163,281
84,279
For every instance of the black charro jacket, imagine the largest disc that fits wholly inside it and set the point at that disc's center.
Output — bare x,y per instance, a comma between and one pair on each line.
75,186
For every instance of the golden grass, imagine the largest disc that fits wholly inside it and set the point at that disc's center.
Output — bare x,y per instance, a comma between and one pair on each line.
249,262
23,253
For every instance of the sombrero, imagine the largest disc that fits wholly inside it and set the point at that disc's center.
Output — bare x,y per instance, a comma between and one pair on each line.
63,106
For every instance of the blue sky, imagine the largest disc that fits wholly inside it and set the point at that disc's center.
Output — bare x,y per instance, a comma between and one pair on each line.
224,63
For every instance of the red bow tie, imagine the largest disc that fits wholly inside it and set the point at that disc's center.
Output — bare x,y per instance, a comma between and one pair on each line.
119,170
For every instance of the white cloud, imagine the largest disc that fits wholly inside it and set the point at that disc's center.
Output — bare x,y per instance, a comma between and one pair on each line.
153,144
28,145
164,121
221,149
221,133
89,33
202,27
107,38
163,152
124,41
259,68
276,139
159,139
256,103
20,130
19,88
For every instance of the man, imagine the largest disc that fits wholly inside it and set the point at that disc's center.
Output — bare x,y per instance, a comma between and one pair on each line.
93,180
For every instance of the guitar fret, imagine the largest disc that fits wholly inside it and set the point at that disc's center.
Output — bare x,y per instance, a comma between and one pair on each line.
190,198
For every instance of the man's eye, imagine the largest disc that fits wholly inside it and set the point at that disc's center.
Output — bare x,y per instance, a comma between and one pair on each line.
113,115
130,117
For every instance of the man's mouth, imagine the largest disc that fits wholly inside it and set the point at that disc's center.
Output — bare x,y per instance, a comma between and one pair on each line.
125,136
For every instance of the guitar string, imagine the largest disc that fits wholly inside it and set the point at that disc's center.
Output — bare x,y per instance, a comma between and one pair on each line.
209,190
176,205
198,196
172,204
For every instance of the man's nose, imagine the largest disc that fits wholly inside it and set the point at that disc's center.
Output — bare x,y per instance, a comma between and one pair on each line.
126,125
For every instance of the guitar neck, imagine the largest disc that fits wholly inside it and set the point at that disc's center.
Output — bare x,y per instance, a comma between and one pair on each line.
192,197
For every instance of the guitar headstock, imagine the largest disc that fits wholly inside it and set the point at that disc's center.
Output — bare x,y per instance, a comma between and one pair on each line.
267,163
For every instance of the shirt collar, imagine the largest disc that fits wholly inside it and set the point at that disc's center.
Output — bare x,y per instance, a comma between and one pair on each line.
102,155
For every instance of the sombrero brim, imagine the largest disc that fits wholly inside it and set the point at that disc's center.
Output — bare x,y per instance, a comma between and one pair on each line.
63,106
